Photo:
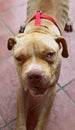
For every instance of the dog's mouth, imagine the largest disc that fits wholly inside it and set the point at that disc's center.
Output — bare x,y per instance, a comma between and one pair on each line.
37,90
37,83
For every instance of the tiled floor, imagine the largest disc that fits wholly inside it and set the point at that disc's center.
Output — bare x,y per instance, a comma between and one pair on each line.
12,14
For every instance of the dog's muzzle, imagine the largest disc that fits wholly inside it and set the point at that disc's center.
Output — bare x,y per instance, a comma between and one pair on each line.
37,82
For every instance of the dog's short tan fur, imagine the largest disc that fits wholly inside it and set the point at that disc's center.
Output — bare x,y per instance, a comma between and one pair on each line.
57,9
38,53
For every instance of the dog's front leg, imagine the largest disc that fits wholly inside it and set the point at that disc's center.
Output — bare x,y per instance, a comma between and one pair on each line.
22,108
47,105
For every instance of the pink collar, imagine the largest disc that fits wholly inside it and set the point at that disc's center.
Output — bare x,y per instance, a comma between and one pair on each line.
40,16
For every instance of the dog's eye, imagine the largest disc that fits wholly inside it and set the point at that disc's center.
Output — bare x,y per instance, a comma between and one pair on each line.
50,56
19,59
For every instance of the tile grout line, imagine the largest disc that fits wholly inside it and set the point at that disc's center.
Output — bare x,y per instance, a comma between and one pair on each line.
6,124
3,120
69,96
66,83
9,123
62,88
3,23
58,88
6,27
2,128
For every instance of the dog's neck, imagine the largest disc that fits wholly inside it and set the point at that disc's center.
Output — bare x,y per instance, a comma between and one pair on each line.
45,24
44,21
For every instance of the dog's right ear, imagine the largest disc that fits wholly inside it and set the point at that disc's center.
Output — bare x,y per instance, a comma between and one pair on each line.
11,43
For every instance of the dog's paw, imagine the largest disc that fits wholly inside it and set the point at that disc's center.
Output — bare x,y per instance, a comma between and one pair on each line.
68,26
22,28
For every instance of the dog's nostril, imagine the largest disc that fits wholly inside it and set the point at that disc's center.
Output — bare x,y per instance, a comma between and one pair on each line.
37,77
34,77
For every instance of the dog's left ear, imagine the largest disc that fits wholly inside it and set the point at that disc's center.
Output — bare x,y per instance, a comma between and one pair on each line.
61,41
11,43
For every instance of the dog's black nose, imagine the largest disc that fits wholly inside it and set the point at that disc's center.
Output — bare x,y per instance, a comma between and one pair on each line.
37,82
34,77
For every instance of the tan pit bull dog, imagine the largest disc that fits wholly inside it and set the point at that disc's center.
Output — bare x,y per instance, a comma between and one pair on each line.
38,53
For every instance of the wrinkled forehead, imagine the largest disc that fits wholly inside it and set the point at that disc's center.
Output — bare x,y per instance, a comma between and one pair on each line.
35,40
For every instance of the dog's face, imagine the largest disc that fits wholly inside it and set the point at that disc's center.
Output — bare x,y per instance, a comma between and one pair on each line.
38,60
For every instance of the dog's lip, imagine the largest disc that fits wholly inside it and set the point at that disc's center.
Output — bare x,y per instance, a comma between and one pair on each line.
36,88
36,91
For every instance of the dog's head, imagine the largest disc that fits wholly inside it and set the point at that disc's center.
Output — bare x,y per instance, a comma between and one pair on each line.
38,59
